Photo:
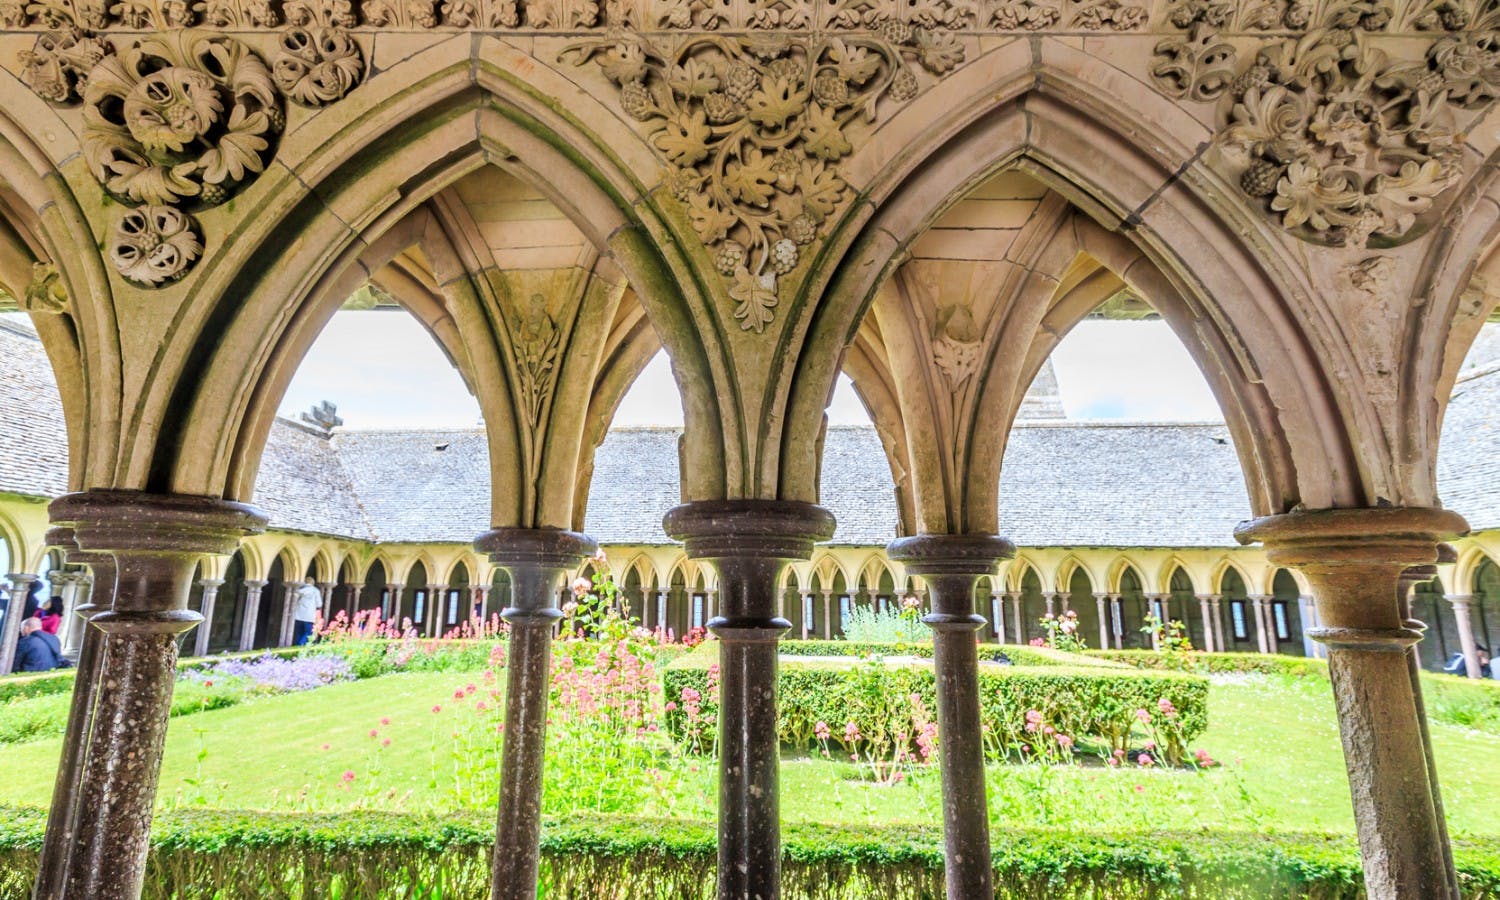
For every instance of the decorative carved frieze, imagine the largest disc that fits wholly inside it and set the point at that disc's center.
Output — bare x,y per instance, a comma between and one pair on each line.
752,128
57,68
1342,140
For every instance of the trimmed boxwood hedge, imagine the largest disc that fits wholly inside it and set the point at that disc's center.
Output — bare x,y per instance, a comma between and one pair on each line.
1217,663
1017,655
1080,702
202,855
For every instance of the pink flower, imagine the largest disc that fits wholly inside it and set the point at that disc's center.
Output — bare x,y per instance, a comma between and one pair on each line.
327,746
1144,716
386,742
1166,707
671,706
1140,789
437,709
821,731
385,721
374,733
348,775
1145,760
1065,742
458,694
208,684
851,732
1149,745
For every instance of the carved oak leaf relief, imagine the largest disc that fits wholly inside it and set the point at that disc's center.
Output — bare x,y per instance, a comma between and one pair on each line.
752,130
536,358
45,293
1344,144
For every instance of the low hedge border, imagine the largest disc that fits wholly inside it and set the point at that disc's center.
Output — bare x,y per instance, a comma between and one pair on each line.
198,855
1079,702
1217,663
1016,654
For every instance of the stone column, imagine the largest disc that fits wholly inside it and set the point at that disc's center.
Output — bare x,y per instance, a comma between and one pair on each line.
88,657
478,604
83,592
1354,560
1101,603
1257,610
1219,623
710,605
661,610
1205,609
1015,615
807,613
827,614
539,561
210,594
288,609
951,565
1119,625
1052,604
1462,603
749,543
252,613
157,542
10,630
437,609
997,620
1320,651
326,589
392,606
1153,602
351,599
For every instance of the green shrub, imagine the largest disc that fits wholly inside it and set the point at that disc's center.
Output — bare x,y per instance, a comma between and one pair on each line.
1218,663
865,624
27,685
1101,704
1015,654
197,855
1465,702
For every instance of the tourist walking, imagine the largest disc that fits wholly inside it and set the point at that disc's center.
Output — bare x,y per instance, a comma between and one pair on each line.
37,651
309,601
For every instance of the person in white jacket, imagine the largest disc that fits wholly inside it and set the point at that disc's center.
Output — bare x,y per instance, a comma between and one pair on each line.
307,603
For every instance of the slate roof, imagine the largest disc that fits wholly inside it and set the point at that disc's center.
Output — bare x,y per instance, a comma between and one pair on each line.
33,433
1065,483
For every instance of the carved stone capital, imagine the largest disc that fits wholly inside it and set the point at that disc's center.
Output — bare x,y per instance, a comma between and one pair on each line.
116,521
543,548
950,554
764,529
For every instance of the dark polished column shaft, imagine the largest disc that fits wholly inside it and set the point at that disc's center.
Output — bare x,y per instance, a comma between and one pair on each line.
951,564
749,543
538,560
61,818
157,542
1355,559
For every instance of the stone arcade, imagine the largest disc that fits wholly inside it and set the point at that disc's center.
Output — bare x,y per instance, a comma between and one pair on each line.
924,195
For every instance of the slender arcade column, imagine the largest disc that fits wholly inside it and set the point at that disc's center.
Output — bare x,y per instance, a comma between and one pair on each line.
1015,616
749,543
252,613
1101,602
1205,606
950,565
89,657
538,561
1355,559
210,594
1410,579
10,629
157,541
1114,602
83,594
1461,604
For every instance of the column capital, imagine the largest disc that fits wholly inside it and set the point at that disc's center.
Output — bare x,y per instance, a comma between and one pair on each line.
950,554
117,521
1391,536
214,583
1456,599
254,583
766,529
1206,596
547,548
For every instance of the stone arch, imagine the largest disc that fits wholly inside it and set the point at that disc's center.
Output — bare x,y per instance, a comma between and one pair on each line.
1117,570
42,221
14,539
1070,566
1018,569
257,564
322,564
1171,565
1467,568
1232,291
469,114
1225,566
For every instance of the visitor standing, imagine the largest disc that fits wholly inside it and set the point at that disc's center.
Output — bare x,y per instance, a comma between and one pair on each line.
37,651
50,615
309,601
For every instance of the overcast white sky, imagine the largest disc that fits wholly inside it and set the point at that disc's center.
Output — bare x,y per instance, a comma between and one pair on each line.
384,370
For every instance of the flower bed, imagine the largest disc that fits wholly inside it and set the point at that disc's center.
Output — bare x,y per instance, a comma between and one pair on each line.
365,856
1037,712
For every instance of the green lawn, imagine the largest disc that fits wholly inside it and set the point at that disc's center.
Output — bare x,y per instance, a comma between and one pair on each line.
1282,767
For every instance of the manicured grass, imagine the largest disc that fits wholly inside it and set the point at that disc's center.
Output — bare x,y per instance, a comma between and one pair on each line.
1276,737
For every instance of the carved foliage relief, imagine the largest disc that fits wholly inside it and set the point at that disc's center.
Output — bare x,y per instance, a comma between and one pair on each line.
1343,132
752,129
179,121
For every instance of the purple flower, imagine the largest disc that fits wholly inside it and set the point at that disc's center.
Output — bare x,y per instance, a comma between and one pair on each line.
278,675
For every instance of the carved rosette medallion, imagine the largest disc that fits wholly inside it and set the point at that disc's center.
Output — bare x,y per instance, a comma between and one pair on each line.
155,245
752,129
317,66
57,67
1343,142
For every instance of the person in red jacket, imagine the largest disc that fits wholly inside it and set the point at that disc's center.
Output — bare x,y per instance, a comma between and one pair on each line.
50,615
